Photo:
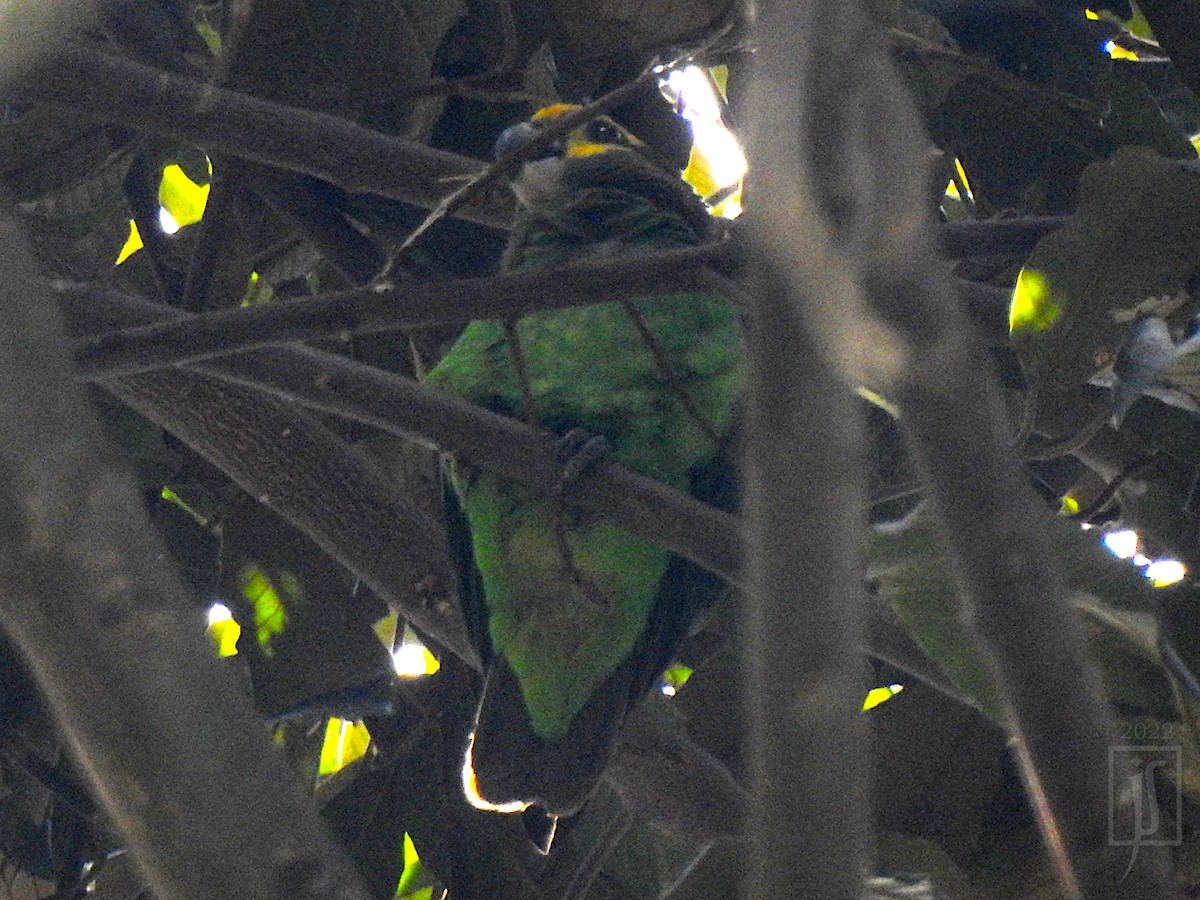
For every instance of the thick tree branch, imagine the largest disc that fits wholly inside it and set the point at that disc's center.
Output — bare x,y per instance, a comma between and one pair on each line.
335,150
401,406
413,306
168,739
809,819
307,474
224,122
404,305
994,528
1015,236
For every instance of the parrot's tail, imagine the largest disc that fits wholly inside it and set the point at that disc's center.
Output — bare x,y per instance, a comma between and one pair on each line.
508,767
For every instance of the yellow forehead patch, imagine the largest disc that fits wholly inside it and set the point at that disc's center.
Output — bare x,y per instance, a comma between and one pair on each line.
555,109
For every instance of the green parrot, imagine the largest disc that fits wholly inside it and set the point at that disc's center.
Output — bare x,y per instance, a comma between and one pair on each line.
582,617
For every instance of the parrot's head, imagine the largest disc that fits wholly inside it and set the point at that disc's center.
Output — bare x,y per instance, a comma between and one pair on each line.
598,154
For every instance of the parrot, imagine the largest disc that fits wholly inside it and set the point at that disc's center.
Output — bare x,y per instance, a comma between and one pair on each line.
581,616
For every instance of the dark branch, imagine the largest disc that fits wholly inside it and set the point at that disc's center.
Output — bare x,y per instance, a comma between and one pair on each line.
335,150
310,476
404,305
167,737
994,528
398,405
225,122
1015,236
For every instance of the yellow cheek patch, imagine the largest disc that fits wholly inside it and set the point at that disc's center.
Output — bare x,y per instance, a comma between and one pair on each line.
586,149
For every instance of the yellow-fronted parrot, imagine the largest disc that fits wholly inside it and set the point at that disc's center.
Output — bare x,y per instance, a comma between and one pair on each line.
582,616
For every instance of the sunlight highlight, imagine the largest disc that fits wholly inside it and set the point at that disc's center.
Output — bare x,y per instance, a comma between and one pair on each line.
1124,544
471,787
881,695
1165,571
218,612
1121,544
223,629
717,164
1032,309
412,659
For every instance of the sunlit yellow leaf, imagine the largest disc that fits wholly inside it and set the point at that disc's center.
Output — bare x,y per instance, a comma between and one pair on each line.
1116,51
1032,309
952,190
132,245
345,741
881,695
181,197
412,659
225,634
413,882
1164,572
677,676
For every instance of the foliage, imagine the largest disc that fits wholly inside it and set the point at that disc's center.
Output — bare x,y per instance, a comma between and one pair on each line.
1031,120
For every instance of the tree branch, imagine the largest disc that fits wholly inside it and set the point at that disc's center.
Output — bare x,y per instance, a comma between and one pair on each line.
405,305
225,122
335,150
398,405
166,736
303,471
994,528
806,742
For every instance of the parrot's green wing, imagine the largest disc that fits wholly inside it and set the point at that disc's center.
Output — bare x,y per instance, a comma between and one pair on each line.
572,633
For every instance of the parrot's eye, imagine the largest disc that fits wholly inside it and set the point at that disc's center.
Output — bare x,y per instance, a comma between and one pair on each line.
600,131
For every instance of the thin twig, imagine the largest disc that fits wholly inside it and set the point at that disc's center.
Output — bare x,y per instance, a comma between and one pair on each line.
555,129
667,371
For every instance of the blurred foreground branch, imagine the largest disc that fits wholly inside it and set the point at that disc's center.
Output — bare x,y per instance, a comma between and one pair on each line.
169,741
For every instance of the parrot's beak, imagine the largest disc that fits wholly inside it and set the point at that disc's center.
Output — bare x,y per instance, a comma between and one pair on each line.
512,139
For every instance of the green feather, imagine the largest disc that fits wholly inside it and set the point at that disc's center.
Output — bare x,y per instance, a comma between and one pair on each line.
564,632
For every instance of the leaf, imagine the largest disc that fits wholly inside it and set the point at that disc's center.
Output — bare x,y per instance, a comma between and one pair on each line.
345,742
181,197
908,569
1129,250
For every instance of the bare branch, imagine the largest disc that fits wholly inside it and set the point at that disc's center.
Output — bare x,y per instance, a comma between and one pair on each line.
404,305
994,528
307,474
225,122
809,820
168,739
401,406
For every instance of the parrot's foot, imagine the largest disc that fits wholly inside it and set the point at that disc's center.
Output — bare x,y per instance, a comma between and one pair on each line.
579,452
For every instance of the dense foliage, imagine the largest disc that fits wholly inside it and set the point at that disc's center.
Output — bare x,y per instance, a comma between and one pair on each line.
302,489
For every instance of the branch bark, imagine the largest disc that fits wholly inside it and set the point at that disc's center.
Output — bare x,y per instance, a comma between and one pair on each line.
225,122
306,473
403,305
398,405
168,739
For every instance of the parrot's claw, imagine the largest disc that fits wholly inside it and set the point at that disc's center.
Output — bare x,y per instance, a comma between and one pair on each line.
579,452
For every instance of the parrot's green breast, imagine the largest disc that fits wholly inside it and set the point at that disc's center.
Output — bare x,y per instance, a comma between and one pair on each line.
565,627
